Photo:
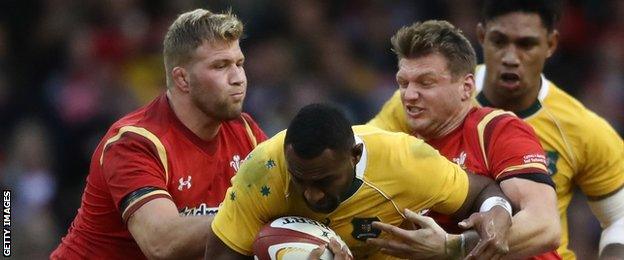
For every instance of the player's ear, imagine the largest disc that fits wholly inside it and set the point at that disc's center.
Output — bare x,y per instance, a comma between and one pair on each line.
356,152
480,33
552,40
468,87
180,79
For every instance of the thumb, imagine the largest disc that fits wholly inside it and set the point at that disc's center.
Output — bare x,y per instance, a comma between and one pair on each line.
317,252
422,221
469,222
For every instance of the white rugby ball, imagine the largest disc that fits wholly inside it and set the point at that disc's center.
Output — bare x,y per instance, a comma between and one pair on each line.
293,237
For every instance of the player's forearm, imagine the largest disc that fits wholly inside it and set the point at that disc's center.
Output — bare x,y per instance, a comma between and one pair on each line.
480,189
179,238
535,227
533,233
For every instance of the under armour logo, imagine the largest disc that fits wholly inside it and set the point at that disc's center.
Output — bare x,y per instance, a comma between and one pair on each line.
185,183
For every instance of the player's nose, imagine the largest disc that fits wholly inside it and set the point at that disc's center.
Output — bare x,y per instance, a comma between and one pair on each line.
411,93
237,76
511,57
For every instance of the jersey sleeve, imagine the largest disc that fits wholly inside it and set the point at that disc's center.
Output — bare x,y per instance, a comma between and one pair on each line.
392,117
256,196
133,172
601,159
434,182
512,148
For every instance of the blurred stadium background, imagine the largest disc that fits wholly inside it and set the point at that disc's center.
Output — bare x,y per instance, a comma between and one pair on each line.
69,68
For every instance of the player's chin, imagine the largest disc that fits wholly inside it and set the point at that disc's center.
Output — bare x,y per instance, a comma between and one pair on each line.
325,207
233,112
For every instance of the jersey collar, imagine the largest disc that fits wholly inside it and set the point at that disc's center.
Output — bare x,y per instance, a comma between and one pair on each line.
360,167
536,106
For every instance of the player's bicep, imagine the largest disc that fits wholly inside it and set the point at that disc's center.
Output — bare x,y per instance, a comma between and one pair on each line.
148,221
513,149
524,193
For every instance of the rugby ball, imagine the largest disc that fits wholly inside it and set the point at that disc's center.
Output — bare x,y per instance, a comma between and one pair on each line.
293,237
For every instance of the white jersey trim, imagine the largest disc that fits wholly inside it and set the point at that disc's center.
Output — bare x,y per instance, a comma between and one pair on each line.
360,167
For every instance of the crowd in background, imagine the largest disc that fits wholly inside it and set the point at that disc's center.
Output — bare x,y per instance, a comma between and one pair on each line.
70,68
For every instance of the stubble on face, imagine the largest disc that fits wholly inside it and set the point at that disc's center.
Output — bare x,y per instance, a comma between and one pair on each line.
213,92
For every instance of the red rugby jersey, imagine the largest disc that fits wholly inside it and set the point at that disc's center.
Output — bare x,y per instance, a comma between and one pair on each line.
150,154
496,144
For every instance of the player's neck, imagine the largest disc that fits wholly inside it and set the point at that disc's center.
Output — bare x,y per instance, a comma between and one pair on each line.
513,104
450,125
193,118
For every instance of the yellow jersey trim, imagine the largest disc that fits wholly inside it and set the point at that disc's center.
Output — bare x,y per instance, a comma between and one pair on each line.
481,130
162,153
250,134
524,166
139,199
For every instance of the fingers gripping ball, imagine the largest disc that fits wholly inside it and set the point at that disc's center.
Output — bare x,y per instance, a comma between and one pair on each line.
294,238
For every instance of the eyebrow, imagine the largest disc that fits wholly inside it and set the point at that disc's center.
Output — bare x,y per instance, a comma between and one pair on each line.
498,33
226,60
310,176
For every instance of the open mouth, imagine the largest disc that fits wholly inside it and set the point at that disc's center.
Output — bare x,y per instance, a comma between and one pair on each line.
510,80
510,77
414,111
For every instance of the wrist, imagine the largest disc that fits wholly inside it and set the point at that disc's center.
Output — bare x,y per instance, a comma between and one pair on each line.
494,201
455,246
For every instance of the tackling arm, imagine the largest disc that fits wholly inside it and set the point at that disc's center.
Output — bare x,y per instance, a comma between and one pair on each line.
492,222
162,233
536,228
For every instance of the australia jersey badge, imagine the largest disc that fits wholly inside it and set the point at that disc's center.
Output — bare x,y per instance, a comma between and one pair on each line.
551,159
363,228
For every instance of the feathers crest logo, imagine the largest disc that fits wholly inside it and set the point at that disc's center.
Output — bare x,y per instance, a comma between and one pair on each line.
363,228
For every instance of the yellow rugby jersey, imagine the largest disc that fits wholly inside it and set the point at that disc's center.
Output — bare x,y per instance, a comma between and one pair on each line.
396,171
582,148
392,116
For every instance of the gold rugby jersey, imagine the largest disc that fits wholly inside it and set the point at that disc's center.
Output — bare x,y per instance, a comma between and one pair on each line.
396,171
582,149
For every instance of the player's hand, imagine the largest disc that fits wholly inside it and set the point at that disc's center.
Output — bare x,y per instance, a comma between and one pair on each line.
340,252
424,243
492,227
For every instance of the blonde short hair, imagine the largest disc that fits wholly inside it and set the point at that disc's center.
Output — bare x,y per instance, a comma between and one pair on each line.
424,38
192,29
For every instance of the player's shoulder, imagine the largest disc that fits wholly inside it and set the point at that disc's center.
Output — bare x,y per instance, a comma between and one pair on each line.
480,114
484,119
397,145
392,116
571,113
374,133
266,163
153,118
140,130
273,144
